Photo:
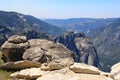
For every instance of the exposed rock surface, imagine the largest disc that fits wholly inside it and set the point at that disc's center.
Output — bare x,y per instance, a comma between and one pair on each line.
19,65
57,64
53,60
54,76
35,54
57,55
16,39
89,77
115,71
17,48
56,50
28,73
83,68
83,49
13,48
61,74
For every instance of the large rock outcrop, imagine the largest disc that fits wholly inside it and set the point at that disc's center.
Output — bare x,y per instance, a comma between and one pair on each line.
83,49
53,56
14,48
55,50
48,54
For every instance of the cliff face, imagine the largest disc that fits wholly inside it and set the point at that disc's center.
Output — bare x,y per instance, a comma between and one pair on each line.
107,43
83,49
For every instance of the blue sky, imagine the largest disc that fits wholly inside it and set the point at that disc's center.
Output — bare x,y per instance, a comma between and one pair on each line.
64,8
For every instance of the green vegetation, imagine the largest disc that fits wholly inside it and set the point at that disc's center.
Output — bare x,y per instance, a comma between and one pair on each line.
4,75
1,61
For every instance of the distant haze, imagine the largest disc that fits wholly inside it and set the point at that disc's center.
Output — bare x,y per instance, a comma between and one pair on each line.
64,8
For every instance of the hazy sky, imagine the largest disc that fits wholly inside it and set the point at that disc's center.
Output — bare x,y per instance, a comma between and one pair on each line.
64,8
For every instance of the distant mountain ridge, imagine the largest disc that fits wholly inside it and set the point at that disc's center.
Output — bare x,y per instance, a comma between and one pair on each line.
24,21
86,25
16,23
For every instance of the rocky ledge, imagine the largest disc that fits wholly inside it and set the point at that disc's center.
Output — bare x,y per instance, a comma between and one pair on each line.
40,59
77,71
